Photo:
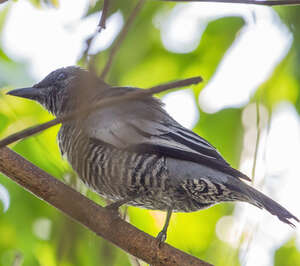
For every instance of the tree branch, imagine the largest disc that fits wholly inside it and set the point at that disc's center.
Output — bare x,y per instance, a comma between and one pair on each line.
101,25
250,2
121,37
103,103
96,218
102,22
116,45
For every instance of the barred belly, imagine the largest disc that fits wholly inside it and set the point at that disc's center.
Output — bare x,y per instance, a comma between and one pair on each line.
118,174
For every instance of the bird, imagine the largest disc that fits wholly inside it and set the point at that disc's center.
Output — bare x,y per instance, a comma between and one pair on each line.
135,153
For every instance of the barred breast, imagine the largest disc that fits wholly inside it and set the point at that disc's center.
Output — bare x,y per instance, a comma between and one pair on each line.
117,174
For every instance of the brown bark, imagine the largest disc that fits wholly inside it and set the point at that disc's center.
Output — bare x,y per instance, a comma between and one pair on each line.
103,222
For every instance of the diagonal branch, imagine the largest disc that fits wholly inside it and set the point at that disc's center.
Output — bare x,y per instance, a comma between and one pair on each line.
103,103
96,218
116,45
121,37
102,22
89,41
249,2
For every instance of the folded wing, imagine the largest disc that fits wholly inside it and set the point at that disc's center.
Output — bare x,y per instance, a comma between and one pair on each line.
143,126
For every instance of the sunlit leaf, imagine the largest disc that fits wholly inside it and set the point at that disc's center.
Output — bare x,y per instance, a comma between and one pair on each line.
36,3
282,86
55,3
4,120
224,131
287,255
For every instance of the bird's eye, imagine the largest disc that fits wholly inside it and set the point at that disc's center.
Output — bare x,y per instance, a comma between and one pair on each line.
61,76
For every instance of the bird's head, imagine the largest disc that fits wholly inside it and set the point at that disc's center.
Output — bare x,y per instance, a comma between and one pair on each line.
60,90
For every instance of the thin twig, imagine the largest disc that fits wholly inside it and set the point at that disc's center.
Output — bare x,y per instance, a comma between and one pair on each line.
18,259
121,37
102,22
103,222
250,2
257,141
102,25
102,103
88,43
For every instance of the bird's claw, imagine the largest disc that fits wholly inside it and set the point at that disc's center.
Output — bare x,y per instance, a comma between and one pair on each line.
114,209
113,206
161,237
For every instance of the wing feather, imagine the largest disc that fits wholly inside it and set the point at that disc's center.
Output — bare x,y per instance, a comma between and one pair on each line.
144,126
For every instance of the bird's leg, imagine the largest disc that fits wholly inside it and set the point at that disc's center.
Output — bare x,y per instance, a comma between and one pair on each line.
116,205
162,236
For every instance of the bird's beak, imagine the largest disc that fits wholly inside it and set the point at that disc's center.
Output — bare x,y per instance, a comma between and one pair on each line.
29,93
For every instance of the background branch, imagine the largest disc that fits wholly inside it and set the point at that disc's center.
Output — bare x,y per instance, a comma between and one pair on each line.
116,45
101,25
103,103
102,22
96,218
250,2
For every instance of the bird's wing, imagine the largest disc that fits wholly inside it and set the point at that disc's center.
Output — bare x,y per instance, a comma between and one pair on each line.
143,126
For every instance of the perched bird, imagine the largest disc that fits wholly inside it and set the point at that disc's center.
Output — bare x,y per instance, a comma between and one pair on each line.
134,153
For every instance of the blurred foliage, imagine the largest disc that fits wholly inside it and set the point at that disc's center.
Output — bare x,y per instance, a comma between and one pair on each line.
35,233
287,255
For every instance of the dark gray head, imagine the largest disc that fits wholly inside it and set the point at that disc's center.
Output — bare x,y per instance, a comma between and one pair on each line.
60,90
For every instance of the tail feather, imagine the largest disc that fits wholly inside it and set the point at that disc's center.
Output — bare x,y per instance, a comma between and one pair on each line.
262,201
272,206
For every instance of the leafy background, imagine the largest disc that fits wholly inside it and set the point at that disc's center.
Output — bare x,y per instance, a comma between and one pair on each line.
34,233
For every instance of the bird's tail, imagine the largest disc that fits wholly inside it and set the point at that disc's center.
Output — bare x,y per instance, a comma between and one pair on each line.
260,200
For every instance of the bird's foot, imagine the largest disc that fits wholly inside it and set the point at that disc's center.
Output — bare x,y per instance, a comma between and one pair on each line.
114,206
161,237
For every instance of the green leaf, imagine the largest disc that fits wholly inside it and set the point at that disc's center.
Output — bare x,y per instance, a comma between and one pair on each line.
223,130
287,255
4,121
282,85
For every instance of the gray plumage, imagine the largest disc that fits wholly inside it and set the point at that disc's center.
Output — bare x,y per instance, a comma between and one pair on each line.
136,150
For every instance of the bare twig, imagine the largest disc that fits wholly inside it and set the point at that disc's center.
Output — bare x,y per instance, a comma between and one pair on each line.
103,103
18,259
102,22
88,43
257,141
121,37
250,2
102,25
96,218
